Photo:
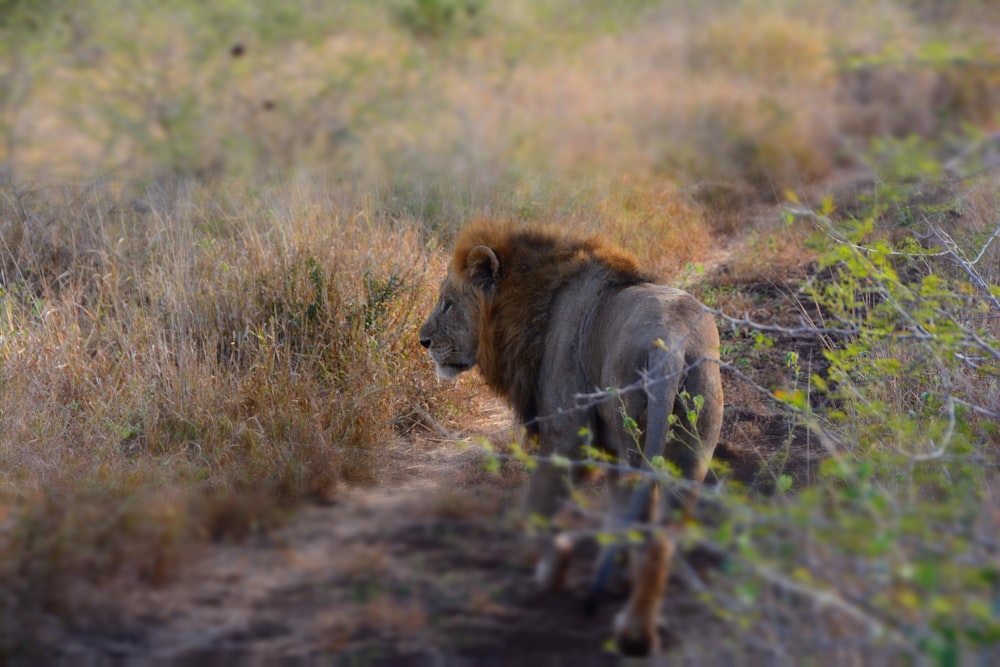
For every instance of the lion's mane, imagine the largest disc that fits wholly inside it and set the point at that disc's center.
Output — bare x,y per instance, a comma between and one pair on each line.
534,264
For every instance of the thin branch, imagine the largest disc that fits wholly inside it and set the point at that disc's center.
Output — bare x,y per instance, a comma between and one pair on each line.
831,599
955,252
803,331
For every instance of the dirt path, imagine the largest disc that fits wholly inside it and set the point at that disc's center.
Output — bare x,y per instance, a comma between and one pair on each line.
430,565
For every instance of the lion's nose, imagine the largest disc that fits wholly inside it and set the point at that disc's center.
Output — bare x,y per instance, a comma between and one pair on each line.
426,342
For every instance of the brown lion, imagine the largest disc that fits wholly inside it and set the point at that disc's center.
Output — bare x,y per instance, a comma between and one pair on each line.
578,340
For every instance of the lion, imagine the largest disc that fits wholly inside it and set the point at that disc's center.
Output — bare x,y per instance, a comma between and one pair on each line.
582,343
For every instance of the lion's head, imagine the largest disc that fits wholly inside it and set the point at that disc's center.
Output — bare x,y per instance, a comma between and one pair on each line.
451,332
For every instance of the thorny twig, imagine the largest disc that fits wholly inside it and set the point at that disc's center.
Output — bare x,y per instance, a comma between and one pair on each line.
952,250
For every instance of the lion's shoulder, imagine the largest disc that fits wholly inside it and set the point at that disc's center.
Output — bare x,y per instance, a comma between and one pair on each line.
538,267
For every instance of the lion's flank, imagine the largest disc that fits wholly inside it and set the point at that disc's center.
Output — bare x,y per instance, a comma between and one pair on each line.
535,263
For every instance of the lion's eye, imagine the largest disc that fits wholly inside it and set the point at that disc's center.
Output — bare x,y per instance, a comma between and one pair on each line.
445,307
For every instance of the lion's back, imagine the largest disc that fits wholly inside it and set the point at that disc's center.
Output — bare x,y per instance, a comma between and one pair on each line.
601,334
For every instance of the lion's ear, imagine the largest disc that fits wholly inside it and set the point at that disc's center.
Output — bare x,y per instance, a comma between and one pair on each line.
483,267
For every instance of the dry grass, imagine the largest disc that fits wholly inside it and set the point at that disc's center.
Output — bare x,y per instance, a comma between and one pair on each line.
510,118
186,369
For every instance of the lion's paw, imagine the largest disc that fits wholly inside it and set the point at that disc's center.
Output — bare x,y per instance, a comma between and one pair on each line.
553,566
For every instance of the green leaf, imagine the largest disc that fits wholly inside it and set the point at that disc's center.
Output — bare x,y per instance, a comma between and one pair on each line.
927,575
607,539
747,593
784,483
635,537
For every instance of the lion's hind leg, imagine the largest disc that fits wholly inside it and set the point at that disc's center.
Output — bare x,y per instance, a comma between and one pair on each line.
635,625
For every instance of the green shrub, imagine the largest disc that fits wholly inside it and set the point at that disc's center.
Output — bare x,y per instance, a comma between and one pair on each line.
891,544
439,18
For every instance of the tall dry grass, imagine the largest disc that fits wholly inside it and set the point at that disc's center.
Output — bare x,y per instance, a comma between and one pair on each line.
185,363
508,115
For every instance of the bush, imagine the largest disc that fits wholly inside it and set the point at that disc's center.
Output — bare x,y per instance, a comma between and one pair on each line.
890,544
439,18
185,368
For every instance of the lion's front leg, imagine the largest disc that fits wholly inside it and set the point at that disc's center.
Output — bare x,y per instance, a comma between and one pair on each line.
546,492
553,563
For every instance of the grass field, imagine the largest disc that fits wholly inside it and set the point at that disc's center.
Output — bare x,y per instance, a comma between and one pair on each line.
221,225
